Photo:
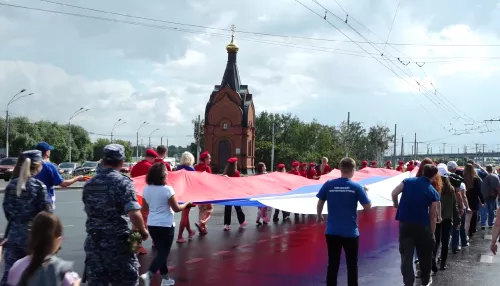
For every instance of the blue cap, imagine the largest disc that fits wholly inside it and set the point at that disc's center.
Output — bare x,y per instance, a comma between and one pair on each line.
114,152
33,155
44,147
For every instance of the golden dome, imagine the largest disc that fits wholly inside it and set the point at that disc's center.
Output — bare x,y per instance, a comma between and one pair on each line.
232,47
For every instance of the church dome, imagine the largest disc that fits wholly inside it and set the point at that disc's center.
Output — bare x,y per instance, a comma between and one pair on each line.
232,47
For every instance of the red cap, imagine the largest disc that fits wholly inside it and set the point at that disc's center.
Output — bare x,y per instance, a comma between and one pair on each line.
388,162
401,163
374,162
312,164
364,163
410,163
303,164
151,153
295,164
281,166
204,155
232,160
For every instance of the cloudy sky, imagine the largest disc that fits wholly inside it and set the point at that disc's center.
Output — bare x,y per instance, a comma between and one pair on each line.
163,73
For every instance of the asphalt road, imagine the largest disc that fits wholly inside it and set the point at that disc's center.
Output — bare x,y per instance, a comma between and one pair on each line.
287,253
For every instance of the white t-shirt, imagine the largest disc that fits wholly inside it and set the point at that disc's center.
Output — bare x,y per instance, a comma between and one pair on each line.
160,212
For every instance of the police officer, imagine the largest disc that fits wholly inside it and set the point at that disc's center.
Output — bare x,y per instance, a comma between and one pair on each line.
24,198
107,197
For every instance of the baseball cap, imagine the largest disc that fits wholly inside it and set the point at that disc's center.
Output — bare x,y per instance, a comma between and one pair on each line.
44,147
452,165
151,153
114,152
443,170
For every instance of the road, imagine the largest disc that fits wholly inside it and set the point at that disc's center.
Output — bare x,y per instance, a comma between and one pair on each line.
287,253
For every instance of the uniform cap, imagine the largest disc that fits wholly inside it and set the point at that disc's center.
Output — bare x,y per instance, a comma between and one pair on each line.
151,153
281,166
303,164
452,165
44,147
388,162
114,152
410,163
232,160
374,162
295,164
204,155
401,163
33,155
312,164
364,163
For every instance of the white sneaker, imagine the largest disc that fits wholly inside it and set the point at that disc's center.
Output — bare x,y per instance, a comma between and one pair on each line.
243,224
146,278
226,227
166,281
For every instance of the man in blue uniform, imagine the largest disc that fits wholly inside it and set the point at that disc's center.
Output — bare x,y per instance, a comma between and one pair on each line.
107,198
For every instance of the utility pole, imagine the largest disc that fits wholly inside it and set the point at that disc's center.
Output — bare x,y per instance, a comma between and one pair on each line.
444,148
395,146
402,148
415,148
348,134
7,123
198,131
272,147
484,157
79,111
137,147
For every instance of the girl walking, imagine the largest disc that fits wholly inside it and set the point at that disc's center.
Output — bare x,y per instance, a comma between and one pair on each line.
232,171
263,213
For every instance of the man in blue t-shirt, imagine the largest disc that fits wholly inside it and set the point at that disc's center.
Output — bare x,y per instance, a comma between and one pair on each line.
50,175
417,216
342,231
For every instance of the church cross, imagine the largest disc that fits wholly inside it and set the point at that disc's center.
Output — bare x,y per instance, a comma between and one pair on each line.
233,30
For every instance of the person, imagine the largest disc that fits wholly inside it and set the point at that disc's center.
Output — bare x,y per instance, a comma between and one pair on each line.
400,167
489,189
373,164
303,169
231,170
474,197
25,196
459,237
364,165
417,216
286,215
264,212
388,165
42,266
295,168
186,163
450,218
342,196
453,168
50,175
281,168
311,174
162,153
410,166
205,210
324,168
107,198
160,200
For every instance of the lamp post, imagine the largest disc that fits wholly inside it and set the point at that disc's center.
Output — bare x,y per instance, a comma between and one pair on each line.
137,146
7,127
117,123
149,145
78,112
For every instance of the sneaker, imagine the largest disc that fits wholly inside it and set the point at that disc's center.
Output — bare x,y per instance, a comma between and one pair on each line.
226,227
483,228
490,227
429,283
191,235
146,278
166,280
243,224
181,240
258,223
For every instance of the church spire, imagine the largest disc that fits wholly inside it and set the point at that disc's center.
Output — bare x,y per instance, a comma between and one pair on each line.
231,75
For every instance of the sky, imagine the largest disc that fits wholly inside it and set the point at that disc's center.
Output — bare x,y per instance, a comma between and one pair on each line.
293,60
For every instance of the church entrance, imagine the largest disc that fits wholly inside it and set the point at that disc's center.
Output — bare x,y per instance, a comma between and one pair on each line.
224,154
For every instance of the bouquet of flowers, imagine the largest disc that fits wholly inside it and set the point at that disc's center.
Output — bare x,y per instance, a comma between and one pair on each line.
134,240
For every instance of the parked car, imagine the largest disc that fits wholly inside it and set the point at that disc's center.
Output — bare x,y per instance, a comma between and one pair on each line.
7,167
127,167
86,168
67,167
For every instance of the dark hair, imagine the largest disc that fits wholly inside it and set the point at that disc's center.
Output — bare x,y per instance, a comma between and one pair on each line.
230,169
157,175
45,229
347,165
430,171
260,167
111,163
447,187
424,162
489,169
161,150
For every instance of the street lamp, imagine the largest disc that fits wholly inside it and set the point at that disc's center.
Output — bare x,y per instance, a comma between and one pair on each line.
12,100
78,112
150,136
137,146
117,123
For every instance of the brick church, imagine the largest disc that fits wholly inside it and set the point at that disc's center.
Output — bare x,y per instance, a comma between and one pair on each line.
229,119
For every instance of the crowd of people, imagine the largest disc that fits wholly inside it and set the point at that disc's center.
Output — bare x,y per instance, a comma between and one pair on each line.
438,207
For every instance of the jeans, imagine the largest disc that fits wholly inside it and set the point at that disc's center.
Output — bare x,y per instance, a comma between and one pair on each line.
162,238
413,236
488,212
335,245
459,234
227,214
277,213
442,234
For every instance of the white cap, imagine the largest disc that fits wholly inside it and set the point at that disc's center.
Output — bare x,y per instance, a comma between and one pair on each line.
452,165
462,186
443,170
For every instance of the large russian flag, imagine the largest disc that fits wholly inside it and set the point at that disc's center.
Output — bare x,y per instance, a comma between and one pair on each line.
278,190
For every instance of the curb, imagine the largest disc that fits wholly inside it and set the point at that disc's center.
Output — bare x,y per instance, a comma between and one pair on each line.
58,189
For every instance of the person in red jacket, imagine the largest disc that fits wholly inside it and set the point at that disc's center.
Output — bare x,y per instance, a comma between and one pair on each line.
374,164
281,168
295,169
400,167
388,165
303,170
311,174
231,170
410,166
141,169
162,153
324,168
205,210
364,164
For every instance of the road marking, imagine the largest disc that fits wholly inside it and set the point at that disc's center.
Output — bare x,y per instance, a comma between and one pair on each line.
262,240
221,252
486,259
488,237
243,246
194,260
